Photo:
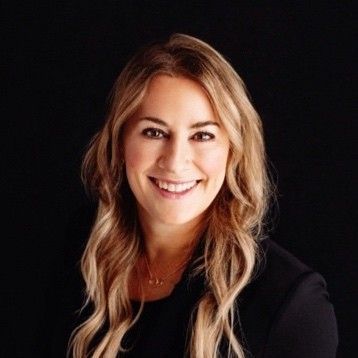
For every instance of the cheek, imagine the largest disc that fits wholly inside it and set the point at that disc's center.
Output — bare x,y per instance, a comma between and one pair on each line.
134,159
134,155
138,156
213,163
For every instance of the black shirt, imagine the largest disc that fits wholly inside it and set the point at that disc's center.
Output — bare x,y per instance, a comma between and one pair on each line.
284,312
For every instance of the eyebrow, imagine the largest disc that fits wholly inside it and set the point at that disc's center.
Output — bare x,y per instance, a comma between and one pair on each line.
194,126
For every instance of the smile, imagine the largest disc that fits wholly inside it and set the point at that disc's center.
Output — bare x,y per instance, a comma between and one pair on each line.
174,188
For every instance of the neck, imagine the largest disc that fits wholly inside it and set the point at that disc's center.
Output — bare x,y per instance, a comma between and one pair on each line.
170,243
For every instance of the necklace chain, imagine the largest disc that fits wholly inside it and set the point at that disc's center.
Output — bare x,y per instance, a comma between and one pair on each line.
156,281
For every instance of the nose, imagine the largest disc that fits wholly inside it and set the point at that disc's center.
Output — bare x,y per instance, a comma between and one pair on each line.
175,156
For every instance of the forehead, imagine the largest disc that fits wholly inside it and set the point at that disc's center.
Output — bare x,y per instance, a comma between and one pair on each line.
176,98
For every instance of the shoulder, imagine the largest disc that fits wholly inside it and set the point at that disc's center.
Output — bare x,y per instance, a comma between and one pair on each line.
277,268
285,310
278,273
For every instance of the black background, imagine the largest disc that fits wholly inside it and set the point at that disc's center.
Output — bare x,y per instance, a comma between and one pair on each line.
60,61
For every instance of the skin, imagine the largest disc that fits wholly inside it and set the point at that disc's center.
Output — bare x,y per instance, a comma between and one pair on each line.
175,137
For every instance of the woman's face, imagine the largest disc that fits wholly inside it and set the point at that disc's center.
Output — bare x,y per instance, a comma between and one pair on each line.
175,152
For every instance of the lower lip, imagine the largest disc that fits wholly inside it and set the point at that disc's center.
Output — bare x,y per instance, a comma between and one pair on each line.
170,195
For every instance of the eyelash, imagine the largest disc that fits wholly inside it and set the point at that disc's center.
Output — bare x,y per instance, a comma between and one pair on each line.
148,132
159,134
207,134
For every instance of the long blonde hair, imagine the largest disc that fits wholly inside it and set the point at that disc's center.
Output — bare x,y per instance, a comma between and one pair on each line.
236,215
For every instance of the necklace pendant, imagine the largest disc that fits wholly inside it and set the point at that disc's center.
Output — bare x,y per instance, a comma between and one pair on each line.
156,282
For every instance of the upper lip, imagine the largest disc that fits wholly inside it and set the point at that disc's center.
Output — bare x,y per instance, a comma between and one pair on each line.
175,181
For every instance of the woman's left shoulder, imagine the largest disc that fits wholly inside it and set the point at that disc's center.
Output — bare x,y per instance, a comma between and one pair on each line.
279,271
279,266
285,310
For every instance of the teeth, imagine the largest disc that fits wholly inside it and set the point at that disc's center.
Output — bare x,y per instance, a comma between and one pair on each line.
175,188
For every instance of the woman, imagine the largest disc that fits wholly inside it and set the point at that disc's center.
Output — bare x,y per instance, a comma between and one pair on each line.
175,264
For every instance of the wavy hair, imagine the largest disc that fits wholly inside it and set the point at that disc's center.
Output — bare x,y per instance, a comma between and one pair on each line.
236,216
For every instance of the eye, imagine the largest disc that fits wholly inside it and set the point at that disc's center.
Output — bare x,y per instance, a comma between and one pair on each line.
154,133
203,136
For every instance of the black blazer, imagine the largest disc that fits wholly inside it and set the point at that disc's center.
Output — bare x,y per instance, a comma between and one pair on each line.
284,312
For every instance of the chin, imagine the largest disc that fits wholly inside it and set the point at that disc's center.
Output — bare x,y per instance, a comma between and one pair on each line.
177,219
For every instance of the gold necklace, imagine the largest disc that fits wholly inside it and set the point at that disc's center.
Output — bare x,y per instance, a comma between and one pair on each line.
156,281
